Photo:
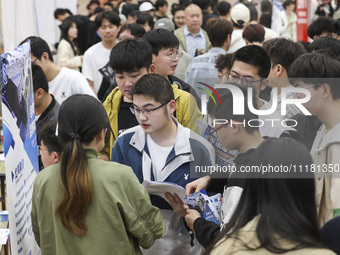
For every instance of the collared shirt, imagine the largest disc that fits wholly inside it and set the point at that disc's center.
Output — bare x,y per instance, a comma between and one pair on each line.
194,42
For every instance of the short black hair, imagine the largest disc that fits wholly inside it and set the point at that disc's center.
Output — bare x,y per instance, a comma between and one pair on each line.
143,18
225,111
336,27
283,51
326,42
314,68
154,86
256,56
223,8
47,134
319,26
60,11
39,78
130,55
161,39
111,16
224,61
135,29
218,31
109,4
38,47
266,20
160,3
287,3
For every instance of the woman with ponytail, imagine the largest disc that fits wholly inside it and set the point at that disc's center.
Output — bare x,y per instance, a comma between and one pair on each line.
83,205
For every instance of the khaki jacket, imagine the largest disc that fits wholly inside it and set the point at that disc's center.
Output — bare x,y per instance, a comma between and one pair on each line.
187,113
247,235
182,42
119,219
326,155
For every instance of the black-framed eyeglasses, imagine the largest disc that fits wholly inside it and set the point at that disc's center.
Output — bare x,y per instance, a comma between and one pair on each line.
33,62
146,112
176,55
246,81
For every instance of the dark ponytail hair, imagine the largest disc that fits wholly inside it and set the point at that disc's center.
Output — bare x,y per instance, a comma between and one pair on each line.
286,206
81,118
64,27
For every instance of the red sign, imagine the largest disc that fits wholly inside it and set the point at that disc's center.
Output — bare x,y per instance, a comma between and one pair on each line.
302,20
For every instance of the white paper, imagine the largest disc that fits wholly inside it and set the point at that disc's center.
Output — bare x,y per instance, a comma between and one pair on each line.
159,188
4,235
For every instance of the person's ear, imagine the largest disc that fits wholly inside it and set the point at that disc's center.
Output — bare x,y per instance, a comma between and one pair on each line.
172,106
264,84
56,157
39,93
326,90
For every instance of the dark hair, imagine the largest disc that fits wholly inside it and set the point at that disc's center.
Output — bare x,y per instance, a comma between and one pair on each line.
135,29
203,4
224,61
283,51
314,68
287,3
129,9
98,10
319,26
336,26
286,207
60,11
256,56
266,6
326,42
39,78
223,8
130,55
252,10
47,134
305,45
38,47
109,4
226,110
64,27
161,39
77,126
218,31
160,3
266,20
111,16
174,6
92,2
254,33
143,18
154,86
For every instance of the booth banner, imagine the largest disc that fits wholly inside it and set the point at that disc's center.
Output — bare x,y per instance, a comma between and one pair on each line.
302,20
20,146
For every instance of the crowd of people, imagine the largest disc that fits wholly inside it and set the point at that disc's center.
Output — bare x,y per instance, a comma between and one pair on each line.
123,103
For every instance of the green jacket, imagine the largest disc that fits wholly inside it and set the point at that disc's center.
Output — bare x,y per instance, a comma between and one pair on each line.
119,219
187,113
182,43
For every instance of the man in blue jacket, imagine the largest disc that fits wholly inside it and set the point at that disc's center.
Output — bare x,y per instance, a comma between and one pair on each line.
161,149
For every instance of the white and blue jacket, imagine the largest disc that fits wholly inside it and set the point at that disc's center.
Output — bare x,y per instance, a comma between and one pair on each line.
189,150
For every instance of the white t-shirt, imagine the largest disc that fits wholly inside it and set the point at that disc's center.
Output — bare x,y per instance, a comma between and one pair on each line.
237,41
95,58
67,83
158,155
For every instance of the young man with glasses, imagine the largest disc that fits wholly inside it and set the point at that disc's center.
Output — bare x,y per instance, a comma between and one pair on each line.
161,149
320,74
251,66
130,60
233,135
165,57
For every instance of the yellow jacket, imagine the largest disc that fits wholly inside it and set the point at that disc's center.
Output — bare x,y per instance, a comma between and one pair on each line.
187,113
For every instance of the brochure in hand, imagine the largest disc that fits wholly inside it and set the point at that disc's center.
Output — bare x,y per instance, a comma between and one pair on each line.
208,207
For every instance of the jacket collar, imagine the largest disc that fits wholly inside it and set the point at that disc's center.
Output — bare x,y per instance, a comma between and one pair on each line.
182,142
333,136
